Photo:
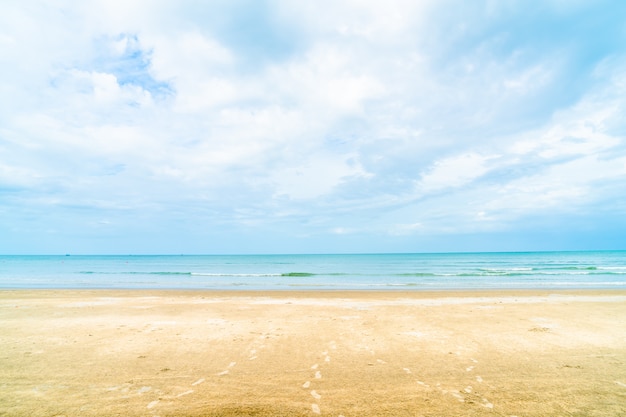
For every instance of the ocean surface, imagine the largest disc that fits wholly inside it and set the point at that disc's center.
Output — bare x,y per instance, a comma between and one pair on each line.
445,271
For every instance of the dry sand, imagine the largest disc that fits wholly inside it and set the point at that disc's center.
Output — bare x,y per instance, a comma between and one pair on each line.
149,353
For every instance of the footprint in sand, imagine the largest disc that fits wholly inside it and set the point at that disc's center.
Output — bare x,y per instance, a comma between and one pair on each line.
198,382
487,404
306,384
318,375
479,379
230,365
315,366
458,396
315,408
469,368
151,404
407,370
315,395
182,394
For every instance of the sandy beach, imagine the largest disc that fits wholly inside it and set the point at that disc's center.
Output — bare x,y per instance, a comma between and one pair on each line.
176,353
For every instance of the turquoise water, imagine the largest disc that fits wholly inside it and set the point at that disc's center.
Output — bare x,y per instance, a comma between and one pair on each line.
527,270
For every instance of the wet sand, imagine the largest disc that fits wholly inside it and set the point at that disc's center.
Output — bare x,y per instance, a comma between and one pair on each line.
174,353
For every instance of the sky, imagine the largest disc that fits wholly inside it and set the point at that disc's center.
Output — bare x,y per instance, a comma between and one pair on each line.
326,126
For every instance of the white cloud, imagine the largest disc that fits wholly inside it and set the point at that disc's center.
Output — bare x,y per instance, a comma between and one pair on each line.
578,131
327,82
374,21
403,117
199,69
313,176
454,171
530,79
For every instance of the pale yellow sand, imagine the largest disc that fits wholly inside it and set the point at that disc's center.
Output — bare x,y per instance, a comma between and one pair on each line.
104,353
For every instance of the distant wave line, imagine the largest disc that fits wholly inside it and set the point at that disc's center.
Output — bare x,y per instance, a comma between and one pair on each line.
218,274
513,272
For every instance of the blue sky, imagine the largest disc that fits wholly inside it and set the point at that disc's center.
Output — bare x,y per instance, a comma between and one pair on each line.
312,126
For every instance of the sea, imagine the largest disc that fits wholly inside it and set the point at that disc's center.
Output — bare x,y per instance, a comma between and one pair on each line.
405,271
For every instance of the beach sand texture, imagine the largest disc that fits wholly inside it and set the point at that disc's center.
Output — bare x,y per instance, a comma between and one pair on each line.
174,353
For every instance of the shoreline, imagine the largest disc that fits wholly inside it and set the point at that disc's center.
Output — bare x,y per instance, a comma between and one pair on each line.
326,292
308,353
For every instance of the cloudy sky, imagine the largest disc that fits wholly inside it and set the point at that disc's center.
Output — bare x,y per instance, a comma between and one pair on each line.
236,126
